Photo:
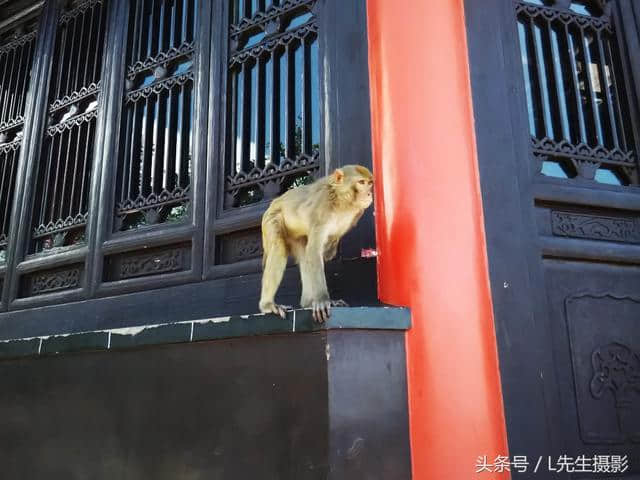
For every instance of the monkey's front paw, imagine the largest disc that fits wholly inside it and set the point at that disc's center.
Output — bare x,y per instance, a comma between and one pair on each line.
280,310
321,310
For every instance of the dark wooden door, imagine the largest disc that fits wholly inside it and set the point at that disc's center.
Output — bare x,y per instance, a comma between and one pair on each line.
555,90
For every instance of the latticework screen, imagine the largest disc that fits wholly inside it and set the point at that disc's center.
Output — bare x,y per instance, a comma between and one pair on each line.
576,98
16,56
273,116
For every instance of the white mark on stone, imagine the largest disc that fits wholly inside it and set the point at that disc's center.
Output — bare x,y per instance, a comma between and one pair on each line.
356,448
213,320
133,331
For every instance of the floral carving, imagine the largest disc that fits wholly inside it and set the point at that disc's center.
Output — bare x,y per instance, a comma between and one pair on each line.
55,281
262,19
152,263
581,151
153,200
240,246
566,16
616,368
73,97
270,178
9,124
586,160
60,225
272,43
11,146
78,9
614,229
18,42
157,87
162,59
74,121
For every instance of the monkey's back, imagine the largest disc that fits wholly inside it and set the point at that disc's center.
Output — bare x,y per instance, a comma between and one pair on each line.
296,209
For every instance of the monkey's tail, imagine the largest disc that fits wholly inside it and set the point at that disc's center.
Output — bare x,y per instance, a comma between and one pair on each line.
272,232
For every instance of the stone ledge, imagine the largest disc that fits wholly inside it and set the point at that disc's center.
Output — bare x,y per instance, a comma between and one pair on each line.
297,321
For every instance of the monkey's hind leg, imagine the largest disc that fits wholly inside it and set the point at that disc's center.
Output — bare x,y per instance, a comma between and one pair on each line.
298,250
274,264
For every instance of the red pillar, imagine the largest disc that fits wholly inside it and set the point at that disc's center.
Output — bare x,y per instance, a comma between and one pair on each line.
430,233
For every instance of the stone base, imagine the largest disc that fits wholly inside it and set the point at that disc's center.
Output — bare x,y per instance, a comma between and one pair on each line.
324,404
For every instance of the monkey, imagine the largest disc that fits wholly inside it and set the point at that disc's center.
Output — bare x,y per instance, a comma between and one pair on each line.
307,223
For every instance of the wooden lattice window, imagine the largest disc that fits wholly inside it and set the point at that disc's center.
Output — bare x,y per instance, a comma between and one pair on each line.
64,168
577,102
16,55
155,157
148,124
273,116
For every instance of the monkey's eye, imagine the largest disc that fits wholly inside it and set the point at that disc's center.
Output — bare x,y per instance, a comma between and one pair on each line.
362,182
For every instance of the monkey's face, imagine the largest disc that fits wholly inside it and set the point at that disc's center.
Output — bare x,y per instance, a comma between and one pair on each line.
363,188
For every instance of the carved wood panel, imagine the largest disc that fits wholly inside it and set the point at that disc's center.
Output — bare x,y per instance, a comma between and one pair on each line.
239,246
604,338
50,281
555,81
145,263
593,374
595,227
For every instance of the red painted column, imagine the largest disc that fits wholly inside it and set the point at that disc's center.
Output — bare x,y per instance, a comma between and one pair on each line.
430,233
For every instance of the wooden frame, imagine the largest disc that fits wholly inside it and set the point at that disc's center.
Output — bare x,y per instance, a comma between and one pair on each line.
344,141
520,201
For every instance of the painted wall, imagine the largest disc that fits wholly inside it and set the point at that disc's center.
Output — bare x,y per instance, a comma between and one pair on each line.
430,236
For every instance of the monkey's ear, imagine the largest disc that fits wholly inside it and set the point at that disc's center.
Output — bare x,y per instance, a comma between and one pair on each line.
338,175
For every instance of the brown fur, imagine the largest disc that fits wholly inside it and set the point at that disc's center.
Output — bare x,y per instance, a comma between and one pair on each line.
307,223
